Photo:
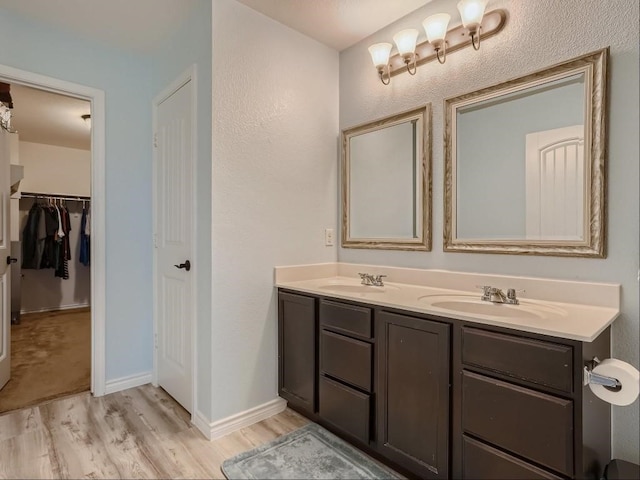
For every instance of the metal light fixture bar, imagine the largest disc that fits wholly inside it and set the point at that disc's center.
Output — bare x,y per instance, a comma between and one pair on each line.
457,38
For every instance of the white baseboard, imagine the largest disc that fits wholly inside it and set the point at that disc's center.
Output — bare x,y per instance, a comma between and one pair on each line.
56,308
225,426
201,422
131,381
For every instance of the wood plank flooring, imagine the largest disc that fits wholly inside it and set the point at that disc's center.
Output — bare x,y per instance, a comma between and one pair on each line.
138,433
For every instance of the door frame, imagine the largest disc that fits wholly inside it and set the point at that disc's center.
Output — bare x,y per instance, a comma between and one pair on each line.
96,98
189,75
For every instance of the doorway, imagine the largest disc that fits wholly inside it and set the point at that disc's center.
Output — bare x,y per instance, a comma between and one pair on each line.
96,223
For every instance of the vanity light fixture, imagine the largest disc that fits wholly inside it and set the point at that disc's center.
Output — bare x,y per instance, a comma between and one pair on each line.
405,40
471,12
435,27
380,57
440,42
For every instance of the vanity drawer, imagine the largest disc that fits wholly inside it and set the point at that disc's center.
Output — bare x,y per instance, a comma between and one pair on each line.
342,317
345,408
483,462
346,358
536,361
528,423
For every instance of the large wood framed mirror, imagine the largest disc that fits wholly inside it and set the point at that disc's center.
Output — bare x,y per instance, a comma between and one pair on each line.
386,183
525,164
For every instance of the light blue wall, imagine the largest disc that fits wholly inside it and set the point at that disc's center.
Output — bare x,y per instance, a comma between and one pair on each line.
130,82
125,78
192,44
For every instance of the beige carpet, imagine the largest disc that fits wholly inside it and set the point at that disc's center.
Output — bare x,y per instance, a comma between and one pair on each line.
50,358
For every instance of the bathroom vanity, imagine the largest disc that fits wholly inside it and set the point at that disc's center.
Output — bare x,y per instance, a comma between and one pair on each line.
445,395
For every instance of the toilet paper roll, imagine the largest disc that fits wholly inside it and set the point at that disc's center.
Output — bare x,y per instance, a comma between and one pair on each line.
628,376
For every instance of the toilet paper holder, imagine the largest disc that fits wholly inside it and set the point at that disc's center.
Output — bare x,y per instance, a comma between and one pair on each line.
596,378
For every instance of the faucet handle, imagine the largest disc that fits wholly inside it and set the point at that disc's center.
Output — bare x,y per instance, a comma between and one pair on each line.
486,291
366,278
512,296
377,280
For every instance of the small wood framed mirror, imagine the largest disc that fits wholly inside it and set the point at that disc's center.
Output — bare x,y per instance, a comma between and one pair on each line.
386,183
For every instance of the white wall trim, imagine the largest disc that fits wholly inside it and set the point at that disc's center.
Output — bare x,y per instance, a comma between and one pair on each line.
189,75
202,423
72,306
130,381
98,206
225,426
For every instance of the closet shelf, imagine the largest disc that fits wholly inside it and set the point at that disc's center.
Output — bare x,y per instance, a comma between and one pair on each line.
54,195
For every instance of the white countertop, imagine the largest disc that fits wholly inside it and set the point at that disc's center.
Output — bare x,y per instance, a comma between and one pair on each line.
576,321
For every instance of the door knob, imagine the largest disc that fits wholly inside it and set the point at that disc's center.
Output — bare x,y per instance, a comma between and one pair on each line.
186,265
11,260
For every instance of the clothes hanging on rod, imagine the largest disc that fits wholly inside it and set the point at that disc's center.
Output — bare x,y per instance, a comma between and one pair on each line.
85,237
45,238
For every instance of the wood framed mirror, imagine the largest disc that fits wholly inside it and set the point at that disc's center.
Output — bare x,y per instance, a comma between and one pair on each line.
386,183
525,164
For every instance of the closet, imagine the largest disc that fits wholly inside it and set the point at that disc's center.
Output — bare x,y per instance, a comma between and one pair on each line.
51,242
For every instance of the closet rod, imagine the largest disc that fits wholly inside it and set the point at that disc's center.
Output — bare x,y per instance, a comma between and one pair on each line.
51,195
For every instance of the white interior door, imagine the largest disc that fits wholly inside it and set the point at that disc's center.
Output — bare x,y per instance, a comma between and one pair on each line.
5,250
555,181
174,220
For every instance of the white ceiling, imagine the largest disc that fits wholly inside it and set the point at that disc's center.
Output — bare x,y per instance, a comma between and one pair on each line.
336,23
50,118
138,25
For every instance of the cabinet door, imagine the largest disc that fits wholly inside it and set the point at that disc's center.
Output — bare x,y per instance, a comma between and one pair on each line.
297,350
413,400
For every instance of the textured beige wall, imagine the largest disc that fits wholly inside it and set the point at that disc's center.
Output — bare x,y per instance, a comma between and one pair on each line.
538,34
274,188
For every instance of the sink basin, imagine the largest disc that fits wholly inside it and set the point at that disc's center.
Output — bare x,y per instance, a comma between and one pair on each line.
355,288
473,305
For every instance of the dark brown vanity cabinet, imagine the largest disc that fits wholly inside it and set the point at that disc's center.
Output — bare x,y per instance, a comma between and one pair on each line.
346,368
444,398
521,411
297,329
413,393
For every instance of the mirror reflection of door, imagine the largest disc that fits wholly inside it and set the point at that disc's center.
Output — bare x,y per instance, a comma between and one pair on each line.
555,189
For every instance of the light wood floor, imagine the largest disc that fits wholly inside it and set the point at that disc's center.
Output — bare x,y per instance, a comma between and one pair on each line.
138,433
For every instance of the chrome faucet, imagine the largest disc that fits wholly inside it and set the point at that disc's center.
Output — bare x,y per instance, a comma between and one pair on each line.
373,280
496,295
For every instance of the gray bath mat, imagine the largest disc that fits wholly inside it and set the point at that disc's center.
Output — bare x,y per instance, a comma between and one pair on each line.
310,452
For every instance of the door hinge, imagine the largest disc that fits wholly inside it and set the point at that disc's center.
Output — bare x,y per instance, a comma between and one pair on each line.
155,240
155,140
155,341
